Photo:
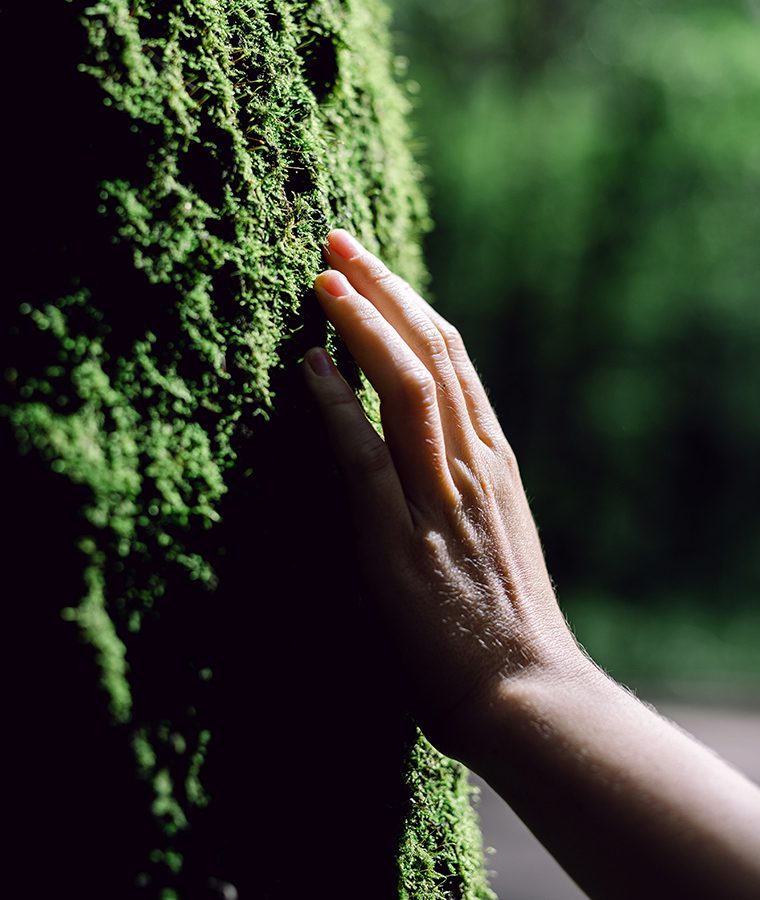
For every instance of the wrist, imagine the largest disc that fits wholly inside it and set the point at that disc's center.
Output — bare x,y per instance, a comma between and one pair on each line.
484,723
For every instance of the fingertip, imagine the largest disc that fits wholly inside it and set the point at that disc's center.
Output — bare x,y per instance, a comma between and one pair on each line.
319,363
344,244
332,283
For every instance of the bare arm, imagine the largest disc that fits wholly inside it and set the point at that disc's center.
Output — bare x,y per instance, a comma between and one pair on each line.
627,803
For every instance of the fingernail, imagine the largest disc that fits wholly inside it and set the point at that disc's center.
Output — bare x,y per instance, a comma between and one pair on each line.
344,244
319,362
333,283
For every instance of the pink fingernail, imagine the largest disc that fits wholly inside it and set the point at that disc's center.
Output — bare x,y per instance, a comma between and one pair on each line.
333,283
342,243
320,362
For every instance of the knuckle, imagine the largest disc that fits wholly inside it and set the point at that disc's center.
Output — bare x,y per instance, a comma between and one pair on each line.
456,349
365,316
468,479
386,280
338,399
451,335
506,455
371,458
430,340
337,396
417,385
377,272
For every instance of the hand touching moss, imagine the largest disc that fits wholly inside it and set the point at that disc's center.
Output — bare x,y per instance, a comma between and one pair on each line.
448,546
630,805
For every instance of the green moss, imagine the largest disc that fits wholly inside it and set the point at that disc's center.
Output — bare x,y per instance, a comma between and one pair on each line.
258,124
92,617
441,831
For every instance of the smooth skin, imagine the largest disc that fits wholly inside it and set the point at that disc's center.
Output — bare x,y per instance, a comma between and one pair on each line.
630,805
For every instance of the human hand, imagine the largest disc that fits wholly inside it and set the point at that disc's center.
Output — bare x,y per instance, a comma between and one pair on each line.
446,540
627,803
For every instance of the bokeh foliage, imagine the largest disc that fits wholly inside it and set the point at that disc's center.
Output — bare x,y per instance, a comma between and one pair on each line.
201,696
596,191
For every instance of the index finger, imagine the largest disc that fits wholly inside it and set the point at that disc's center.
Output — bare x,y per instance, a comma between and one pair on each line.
390,293
409,404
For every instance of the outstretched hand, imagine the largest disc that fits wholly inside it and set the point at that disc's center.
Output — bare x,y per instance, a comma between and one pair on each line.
630,806
446,540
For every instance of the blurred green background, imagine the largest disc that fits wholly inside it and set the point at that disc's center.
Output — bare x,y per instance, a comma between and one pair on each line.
594,172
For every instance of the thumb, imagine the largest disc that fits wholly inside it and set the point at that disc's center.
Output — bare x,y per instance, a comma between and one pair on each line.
373,484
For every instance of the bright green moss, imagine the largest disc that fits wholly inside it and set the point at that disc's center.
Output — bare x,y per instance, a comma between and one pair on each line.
441,831
260,123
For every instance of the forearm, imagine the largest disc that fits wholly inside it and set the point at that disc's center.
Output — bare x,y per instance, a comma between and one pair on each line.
627,803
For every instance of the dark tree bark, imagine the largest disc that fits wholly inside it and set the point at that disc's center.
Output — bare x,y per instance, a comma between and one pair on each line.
199,698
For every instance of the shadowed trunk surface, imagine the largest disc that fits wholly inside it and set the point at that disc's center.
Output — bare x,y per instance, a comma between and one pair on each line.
199,698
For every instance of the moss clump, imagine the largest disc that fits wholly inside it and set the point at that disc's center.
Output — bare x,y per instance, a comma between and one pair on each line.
440,832
202,150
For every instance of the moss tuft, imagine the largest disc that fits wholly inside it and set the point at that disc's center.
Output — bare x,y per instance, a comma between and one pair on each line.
440,832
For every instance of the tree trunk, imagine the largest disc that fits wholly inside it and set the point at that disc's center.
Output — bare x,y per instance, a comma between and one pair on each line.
202,703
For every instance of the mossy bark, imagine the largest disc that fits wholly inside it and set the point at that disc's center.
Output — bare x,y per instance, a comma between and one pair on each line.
200,696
